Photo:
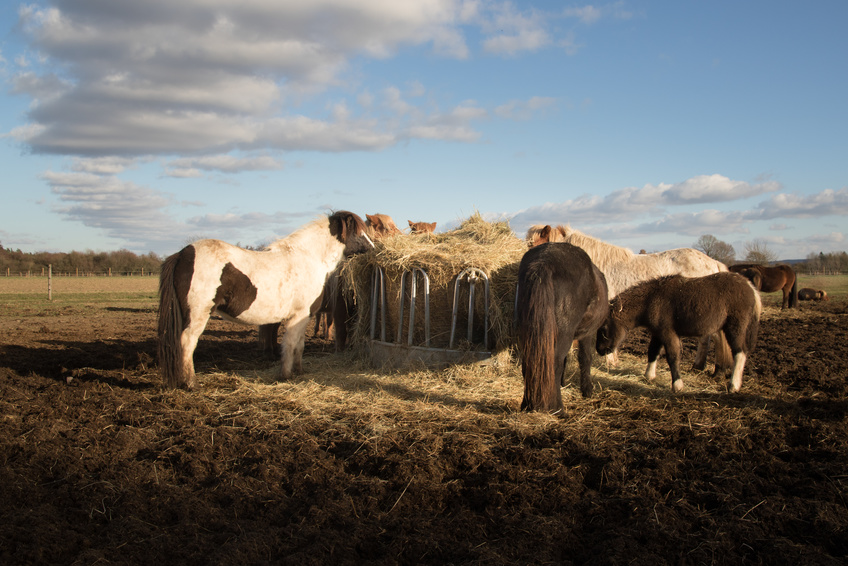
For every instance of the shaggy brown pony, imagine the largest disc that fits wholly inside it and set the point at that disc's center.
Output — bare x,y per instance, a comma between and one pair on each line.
674,306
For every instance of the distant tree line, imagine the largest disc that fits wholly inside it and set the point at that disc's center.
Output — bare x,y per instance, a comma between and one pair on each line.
121,262
758,252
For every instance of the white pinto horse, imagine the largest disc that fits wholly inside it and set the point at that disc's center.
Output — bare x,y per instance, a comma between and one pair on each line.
624,269
281,283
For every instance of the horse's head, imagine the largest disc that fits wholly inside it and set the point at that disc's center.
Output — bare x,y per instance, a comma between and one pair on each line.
349,229
381,226
610,333
754,276
421,227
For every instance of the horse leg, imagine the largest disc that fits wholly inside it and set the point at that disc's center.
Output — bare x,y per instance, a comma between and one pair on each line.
701,354
292,345
654,348
739,360
268,340
188,341
585,349
561,360
672,356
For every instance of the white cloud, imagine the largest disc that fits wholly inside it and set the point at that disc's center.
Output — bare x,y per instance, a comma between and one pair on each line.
192,166
787,205
123,210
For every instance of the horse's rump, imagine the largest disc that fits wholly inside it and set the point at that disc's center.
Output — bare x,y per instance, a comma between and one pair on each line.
561,296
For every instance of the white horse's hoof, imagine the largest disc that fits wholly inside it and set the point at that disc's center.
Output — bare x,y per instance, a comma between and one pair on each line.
677,386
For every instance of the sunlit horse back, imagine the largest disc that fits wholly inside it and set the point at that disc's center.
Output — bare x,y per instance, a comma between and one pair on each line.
281,283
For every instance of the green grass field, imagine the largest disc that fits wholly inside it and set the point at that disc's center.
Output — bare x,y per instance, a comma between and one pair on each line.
31,292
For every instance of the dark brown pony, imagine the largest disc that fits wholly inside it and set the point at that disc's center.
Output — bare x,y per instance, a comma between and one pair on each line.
674,306
561,297
808,294
778,278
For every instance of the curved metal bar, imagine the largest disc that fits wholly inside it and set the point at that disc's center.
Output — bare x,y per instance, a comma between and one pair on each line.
473,275
413,292
378,290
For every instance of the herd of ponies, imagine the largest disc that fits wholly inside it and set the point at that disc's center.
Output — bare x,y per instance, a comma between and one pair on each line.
572,289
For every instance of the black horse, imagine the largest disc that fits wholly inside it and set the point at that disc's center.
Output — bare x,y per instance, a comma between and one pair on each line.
561,297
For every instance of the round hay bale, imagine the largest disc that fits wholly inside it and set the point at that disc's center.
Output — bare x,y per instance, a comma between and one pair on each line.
491,247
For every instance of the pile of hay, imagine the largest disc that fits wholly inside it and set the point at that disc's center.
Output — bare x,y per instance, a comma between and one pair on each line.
489,246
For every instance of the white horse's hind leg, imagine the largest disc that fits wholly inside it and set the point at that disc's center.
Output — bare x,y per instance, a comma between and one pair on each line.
292,345
738,366
188,340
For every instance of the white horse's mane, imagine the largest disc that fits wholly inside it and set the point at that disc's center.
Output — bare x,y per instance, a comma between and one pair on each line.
602,253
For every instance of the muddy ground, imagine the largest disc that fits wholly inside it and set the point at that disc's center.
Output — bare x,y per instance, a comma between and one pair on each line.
99,466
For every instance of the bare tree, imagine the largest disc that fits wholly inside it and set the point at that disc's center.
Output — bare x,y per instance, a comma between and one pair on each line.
758,252
716,249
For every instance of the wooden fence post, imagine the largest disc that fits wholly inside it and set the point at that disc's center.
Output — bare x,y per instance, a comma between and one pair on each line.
50,282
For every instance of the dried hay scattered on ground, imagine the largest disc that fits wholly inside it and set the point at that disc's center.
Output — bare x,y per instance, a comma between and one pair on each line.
489,246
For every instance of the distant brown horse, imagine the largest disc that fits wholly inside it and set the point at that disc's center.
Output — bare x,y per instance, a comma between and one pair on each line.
674,306
561,297
808,294
421,227
781,277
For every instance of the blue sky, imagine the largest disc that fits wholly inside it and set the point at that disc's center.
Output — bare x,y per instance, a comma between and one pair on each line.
144,125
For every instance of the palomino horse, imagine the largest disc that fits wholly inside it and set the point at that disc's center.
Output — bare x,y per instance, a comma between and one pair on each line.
561,297
282,283
674,306
778,278
808,294
381,226
623,269
421,227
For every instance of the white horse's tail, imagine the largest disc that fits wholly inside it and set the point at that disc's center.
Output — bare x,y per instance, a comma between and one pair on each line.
170,327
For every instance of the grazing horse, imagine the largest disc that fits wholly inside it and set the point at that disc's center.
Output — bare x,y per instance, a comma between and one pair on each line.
381,226
561,297
623,269
282,283
781,277
674,306
808,294
421,227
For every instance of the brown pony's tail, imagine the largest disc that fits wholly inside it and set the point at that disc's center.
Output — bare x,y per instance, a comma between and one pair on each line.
536,340
793,294
170,326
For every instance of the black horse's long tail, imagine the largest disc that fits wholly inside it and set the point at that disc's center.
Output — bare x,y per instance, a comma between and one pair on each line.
536,339
169,327
793,294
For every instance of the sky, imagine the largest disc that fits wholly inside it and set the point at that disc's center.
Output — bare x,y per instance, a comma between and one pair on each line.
647,124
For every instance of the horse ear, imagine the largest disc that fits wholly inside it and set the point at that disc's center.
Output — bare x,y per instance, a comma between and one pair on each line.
545,233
